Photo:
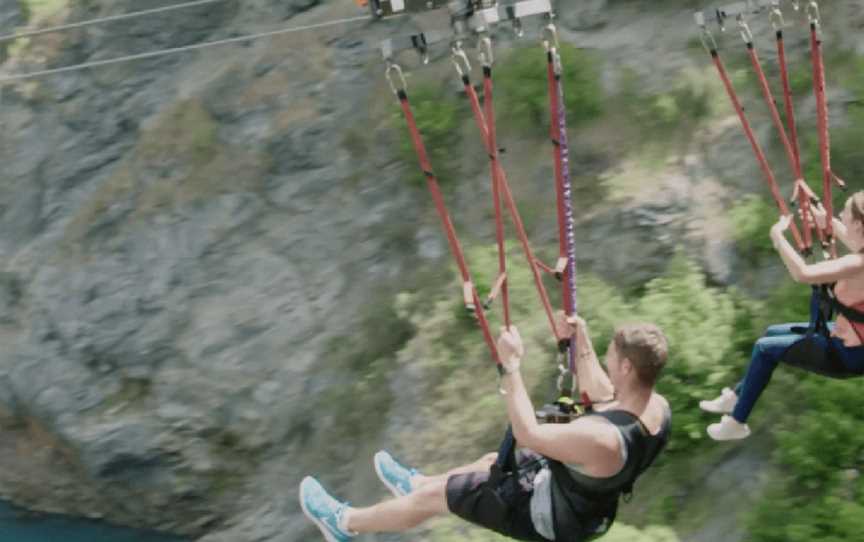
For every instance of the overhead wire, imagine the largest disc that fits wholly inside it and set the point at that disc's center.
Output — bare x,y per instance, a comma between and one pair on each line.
101,20
175,50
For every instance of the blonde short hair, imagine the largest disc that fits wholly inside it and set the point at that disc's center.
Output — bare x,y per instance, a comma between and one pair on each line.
645,346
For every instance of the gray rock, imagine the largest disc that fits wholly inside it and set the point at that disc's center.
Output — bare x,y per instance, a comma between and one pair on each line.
11,292
589,15
122,450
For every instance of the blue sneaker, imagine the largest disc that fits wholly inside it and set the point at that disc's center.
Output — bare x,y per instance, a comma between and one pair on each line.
324,511
396,477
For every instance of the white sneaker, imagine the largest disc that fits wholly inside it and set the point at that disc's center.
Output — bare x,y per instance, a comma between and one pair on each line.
728,429
724,404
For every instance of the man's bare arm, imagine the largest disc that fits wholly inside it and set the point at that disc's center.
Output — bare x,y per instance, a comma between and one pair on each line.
592,379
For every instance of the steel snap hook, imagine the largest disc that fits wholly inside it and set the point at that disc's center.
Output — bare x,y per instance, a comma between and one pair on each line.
398,85
460,60
744,29
486,56
708,41
550,37
813,13
776,17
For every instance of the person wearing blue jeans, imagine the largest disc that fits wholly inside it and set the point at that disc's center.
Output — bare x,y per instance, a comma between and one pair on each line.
835,350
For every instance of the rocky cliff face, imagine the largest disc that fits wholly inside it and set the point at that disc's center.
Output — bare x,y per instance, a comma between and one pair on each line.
181,239
190,245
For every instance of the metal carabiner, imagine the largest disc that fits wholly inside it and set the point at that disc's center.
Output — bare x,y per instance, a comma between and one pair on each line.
391,68
460,60
744,29
776,16
813,13
562,374
550,37
486,56
708,40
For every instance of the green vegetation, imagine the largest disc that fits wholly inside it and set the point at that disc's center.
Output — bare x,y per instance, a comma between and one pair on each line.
186,131
36,11
360,362
752,217
847,156
521,82
690,98
822,450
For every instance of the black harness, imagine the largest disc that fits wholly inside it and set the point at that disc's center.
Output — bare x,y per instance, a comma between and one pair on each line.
822,356
830,305
583,507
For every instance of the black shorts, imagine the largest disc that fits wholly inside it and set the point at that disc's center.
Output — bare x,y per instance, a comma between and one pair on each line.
505,509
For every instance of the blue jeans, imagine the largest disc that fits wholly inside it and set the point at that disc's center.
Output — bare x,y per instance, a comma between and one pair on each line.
768,352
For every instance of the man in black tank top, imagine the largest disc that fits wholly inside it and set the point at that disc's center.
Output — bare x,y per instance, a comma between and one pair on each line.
566,481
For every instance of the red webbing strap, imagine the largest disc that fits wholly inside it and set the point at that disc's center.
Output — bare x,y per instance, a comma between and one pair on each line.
492,147
533,263
455,247
791,153
555,136
529,254
801,189
828,177
757,150
787,102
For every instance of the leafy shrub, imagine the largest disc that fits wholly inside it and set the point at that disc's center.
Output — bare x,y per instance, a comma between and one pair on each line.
699,322
37,10
521,81
687,100
752,217
822,449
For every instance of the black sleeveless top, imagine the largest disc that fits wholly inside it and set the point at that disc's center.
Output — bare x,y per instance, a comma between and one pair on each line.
584,506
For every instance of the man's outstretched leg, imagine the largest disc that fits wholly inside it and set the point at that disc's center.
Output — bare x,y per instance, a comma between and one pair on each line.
339,523
401,513
402,480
